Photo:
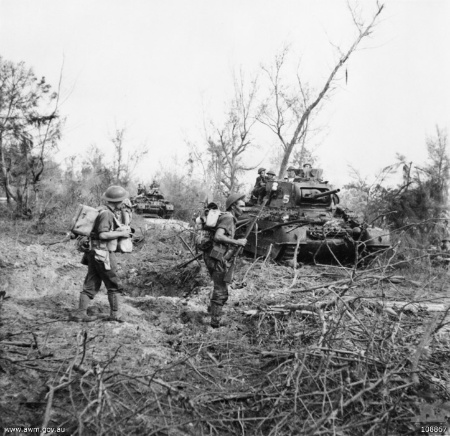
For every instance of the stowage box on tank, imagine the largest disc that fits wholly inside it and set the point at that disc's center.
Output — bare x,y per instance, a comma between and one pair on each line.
302,215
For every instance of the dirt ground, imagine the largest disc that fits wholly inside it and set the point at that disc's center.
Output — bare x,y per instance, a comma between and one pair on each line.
166,322
42,284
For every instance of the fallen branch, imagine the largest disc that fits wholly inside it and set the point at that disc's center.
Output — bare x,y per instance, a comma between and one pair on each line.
19,344
389,306
424,342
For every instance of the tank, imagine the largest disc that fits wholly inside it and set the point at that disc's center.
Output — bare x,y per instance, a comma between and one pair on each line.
303,214
151,203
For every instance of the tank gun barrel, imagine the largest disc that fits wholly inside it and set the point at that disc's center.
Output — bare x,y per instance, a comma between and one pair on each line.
324,194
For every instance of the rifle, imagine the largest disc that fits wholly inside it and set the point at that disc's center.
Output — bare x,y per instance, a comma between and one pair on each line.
230,271
189,248
182,265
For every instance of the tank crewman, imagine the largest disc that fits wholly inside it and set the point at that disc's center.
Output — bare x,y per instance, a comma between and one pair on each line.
102,264
259,191
270,176
307,170
140,189
154,186
216,257
290,174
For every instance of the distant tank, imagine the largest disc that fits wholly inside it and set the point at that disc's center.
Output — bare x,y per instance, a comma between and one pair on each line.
302,213
152,203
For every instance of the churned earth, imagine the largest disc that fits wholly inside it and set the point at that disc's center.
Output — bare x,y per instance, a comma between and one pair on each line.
42,282
58,373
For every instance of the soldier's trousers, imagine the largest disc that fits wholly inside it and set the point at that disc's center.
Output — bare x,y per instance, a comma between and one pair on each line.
97,274
259,193
217,271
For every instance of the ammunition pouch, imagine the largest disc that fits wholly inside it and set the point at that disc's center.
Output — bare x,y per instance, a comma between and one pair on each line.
230,253
124,245
108,245
218,252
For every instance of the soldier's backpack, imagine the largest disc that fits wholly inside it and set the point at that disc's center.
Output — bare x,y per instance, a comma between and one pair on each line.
83,220
83,224
205,229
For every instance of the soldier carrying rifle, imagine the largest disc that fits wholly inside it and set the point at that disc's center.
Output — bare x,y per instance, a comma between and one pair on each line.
217,258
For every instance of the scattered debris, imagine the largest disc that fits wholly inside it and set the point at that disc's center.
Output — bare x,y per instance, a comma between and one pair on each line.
312,350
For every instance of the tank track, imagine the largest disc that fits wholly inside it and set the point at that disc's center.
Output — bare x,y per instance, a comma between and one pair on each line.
287,253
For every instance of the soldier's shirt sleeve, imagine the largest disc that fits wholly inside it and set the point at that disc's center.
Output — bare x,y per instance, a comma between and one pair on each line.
226,222
259,182
105,222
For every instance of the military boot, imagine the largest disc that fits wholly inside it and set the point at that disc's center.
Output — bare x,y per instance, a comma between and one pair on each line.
216,314
114,301
81,315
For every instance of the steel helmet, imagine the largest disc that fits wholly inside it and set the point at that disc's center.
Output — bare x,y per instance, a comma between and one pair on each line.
232,199
291,169
307,165
261,170
271,172
115,194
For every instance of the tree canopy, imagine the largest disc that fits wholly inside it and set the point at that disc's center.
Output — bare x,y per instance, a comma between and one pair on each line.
30,128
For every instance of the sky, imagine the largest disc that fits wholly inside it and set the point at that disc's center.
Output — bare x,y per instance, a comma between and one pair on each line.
160,68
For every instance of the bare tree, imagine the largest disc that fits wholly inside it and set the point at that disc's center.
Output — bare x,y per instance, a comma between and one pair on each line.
439,169
226,144
303,155
125,162
118,141
288,114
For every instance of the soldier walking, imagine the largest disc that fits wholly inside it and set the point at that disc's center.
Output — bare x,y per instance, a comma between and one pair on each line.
102,264
216,258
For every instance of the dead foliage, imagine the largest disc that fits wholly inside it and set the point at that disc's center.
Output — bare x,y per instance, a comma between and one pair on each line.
311,351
